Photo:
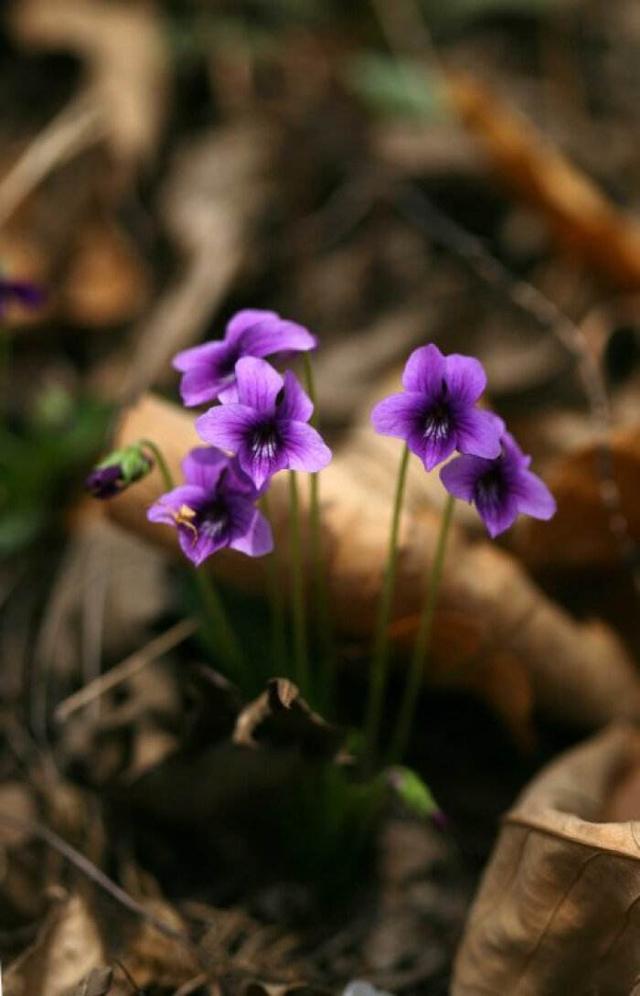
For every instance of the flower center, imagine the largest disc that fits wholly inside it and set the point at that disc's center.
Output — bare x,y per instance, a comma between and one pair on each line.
437,422
265,440
214,520
490,488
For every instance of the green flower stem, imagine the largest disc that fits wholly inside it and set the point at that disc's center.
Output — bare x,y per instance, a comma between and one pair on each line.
217,621
298,601
220,628
318,570
163,466
278,631
380,653
423,638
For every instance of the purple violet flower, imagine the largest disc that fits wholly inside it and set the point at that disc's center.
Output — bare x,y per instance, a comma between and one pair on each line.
501,489
214,508
104,482
267,427
22,292
436,413
209,370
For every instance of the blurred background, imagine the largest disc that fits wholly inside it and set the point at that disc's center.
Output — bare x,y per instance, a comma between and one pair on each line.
386,173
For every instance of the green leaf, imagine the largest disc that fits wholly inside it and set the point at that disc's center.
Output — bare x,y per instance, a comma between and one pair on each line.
413,792
397,87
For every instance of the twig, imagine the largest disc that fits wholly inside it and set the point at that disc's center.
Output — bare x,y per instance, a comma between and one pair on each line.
127,668
92,872
79,125
191,985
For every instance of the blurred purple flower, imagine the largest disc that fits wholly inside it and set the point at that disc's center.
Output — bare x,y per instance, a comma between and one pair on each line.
117,471
436,413
267,427
209,370
501,489
104,482
214,508
22,292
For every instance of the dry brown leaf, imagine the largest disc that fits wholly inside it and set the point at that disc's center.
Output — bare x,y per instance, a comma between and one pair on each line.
125,49
67,949
580,534
291,720
97,983
153,958
557,910
209,204
577,671
106,282
583,221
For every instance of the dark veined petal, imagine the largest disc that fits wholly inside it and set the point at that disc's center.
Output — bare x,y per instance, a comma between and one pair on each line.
227,426
479,433
258,384
203,467
432,446
197,545
424,373
465,377
295,403
304,447
461,475
497,506
533,496
260,459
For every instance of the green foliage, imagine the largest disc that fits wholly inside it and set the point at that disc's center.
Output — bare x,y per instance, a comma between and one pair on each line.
397,87
41,459
413,792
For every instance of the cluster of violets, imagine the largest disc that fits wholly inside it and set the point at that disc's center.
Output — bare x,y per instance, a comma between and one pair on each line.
437,415
259,425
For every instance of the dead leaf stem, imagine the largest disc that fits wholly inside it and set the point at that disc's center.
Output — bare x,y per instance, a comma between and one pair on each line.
77,127
92,872
127,668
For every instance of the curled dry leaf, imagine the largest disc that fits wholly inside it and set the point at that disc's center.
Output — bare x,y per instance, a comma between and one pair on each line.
124,46
97,983
288,718
106,282
581,218
67,949
215,191
557,908
580,534
577,671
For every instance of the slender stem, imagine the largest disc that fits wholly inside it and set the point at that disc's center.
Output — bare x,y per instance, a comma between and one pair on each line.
278,632
217,620
163,466
300,650
380,653
220,628
318,568
423,639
